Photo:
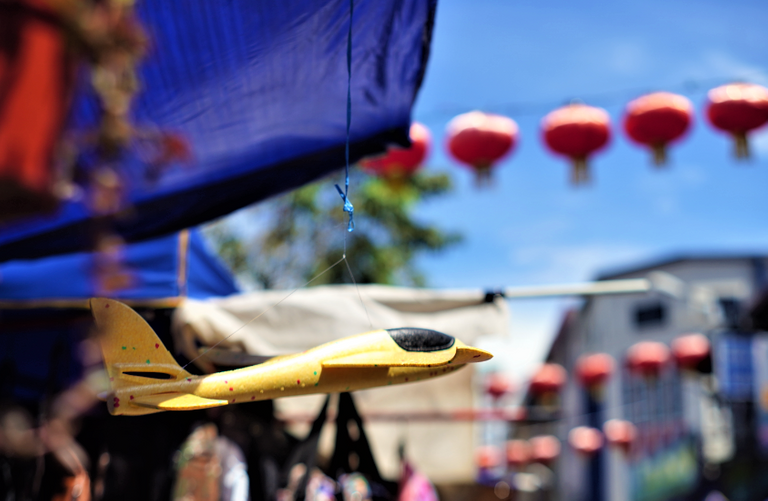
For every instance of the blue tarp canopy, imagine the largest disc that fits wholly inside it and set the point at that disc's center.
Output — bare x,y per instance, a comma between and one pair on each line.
163,271
259,92
43,305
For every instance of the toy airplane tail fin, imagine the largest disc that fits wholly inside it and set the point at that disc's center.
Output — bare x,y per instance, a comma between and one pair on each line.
133,354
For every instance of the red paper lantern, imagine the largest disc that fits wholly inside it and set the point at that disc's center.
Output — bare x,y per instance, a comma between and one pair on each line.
545,449
689,350
497,385
585,440
518,453
400,162
577,131
594,370
657,119
620,434
479,140
548,379
35,78
738,108
488,456
647,358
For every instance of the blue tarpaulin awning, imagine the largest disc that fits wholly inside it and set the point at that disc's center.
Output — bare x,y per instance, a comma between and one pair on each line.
259,92
163,272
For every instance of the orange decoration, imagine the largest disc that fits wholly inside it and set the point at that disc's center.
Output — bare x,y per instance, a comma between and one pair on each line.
518,453
545,449
738,109
577,131
35,77
620,434
585,440
594,370
479,140
399,162
550,378
647,358
690,349
657,119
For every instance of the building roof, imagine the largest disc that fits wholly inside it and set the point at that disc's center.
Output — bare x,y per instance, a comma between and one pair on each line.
622,272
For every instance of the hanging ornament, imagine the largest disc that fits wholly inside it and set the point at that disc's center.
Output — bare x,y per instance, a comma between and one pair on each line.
657,119
398,162
497,385
690,350
738,108
479,140
577,131
545,449
585,440
594,370
647,358
548,380
518,453
620,434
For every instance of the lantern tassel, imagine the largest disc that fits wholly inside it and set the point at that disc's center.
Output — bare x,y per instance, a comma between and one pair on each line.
741,144
659,155
483,176
580,171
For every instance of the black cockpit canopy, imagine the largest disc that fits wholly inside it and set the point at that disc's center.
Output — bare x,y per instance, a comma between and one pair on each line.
416,339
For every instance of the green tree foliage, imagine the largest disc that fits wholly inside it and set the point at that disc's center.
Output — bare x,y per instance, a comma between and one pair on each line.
301,234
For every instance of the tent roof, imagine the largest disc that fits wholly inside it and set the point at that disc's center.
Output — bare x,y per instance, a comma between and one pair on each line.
163,272
259,92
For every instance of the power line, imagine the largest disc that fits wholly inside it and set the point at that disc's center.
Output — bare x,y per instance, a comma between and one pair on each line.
605,99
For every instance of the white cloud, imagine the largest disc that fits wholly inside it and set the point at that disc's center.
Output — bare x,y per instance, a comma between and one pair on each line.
570,263
719,64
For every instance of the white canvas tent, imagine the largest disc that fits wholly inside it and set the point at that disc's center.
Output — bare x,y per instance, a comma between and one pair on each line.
274,322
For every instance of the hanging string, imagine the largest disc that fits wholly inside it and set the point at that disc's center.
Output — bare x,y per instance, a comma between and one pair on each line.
348,208
357,288
343,258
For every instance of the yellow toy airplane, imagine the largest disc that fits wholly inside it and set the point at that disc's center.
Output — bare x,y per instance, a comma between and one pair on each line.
145,378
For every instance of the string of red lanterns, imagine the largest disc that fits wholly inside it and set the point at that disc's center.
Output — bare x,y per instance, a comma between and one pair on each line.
690,350
594,370
657,119
545,449
549,379
738,109
620,434
480,140
585,440
647,358
577,131
397,162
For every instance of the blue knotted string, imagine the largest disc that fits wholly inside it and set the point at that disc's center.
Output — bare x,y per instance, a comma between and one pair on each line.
348,208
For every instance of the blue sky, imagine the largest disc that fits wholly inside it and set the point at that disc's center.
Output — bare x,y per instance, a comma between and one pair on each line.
523,59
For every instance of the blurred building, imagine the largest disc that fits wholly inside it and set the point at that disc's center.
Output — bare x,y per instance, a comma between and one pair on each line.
698,430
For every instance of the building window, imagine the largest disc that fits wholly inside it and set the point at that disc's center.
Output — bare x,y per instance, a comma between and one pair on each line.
650,315
731,309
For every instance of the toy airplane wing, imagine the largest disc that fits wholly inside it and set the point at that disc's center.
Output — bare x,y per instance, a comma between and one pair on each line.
177,402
